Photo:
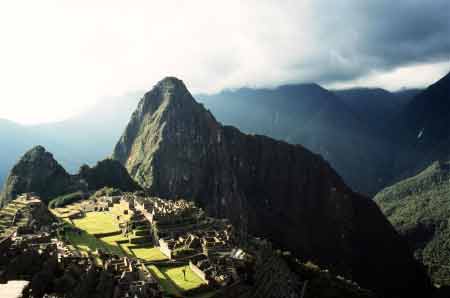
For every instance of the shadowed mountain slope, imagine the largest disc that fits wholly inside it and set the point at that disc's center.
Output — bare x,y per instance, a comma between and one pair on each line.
174,147
424,129
316,118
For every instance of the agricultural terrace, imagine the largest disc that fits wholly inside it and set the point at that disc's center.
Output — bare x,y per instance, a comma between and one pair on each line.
7,215
101,230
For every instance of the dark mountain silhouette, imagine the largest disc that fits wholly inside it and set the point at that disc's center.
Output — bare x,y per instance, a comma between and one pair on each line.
174,147
309,115
424,129
37,171
377,107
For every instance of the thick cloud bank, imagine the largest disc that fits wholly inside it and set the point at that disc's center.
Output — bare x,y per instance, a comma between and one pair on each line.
57,57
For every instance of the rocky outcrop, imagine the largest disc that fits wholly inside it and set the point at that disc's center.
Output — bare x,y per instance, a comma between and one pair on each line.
37,171
174,147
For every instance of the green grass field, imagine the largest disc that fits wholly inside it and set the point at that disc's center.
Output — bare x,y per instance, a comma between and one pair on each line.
117,210
168,286
147,253
173,282
97,222
175,274
171,278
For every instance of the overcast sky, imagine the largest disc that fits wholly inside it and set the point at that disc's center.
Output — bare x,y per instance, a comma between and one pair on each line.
58,57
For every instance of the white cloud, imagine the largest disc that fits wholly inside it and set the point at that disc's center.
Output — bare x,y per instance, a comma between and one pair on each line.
58,57
410,76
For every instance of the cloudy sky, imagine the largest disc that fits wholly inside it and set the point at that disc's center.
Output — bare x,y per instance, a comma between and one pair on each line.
58,57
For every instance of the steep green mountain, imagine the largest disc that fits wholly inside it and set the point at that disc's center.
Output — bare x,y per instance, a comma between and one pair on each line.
419,207
316,118
174,147
37,171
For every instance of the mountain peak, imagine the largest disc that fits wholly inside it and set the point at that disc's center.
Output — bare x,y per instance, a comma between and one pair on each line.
170,88
39,149
171,82
38,154
37,171
173,147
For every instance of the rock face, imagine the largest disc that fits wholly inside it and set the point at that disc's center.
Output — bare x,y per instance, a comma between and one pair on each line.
37,171
174,147
419,207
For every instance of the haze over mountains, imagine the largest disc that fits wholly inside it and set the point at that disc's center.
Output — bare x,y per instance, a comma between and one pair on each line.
330,123
84,139
336,125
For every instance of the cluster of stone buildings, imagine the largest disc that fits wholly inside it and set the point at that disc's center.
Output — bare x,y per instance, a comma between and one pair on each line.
131,278
182,231
16,213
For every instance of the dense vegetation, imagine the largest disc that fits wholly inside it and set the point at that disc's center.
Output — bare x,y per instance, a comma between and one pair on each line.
108,173
419,207
37,171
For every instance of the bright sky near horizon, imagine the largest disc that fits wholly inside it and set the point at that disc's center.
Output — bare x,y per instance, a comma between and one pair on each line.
58,58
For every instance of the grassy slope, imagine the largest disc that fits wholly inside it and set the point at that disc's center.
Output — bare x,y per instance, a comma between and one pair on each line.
97,222
419,207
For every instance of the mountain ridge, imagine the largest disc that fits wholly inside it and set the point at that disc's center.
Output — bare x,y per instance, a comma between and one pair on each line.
174,147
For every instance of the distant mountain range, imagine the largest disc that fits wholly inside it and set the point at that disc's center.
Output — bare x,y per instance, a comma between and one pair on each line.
345,127
375,106
86,138
352,129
